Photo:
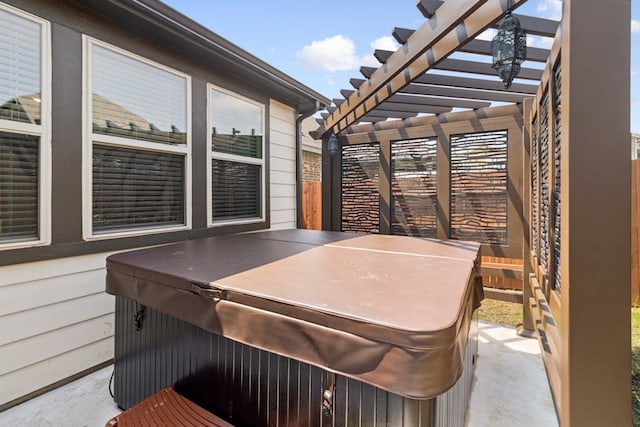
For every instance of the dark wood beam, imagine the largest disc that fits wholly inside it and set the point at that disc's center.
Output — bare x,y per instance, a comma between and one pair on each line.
401,34
382,55
367,71
338,101
391,114
466,66
428,7
483,47
474,67
412,108
454,23
347,93
486,95
436,101
532,25
471,83
356,83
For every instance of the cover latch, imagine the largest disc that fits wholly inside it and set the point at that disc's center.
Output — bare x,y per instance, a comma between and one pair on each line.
212,293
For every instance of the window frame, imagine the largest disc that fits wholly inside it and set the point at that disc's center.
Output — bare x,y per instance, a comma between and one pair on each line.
90,138
213,155
43,130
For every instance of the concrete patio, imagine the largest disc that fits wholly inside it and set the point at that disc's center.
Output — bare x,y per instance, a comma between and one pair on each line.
510,389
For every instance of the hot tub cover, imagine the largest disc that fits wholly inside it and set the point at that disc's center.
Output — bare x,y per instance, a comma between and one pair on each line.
391,311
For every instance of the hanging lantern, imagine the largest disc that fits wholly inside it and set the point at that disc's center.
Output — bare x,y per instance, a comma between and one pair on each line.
509,49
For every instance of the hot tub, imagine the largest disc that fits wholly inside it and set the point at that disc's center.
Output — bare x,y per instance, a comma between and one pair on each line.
297,327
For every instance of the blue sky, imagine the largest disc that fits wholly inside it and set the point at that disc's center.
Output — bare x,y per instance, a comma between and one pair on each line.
324,49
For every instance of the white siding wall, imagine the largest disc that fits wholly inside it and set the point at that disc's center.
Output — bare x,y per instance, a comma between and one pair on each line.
55,321
283,166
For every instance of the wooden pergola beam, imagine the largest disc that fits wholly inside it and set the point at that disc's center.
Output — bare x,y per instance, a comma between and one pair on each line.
483,47
438,101
454,23
484,68
486,95
471,83
413,108
535,26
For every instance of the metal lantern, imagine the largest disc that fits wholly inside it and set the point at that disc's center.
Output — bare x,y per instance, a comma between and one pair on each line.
509,49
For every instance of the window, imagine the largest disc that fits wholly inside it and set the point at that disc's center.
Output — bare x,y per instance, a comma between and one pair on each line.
237,158
24,129
138,153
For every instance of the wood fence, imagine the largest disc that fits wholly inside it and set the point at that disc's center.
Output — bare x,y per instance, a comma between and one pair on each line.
312,205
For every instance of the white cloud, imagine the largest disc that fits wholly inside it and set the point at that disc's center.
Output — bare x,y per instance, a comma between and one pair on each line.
635,26
634,73
337,53
551,9
384,43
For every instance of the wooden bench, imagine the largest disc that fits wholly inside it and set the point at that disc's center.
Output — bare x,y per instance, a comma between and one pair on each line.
166,408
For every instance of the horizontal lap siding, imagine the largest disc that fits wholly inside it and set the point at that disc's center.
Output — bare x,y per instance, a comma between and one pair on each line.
55,321
282,166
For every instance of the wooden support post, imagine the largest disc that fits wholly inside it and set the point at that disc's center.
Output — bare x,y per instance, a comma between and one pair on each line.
595,227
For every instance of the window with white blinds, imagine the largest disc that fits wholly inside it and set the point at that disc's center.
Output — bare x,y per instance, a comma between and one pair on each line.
24,132
237,158
139,144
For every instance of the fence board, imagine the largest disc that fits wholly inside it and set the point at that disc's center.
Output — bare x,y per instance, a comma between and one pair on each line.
312,205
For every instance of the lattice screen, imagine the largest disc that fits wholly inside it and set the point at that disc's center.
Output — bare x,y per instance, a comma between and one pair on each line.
556,170
479,187
544,182
413,187
360,188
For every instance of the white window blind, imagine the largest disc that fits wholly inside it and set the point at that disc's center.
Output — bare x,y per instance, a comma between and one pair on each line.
139,164
237,158
20,68
24,142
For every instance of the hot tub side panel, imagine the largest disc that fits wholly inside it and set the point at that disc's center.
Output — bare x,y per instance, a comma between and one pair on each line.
252,387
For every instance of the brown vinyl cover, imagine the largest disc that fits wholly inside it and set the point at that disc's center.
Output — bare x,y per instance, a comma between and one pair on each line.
391,311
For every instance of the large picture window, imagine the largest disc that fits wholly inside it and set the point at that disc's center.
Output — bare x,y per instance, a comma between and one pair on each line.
24,129
139,150
237,158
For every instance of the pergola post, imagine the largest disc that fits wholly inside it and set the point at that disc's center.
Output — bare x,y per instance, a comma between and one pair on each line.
595,228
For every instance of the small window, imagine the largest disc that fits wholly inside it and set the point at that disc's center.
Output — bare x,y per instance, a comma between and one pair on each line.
139,145
24,129
237,158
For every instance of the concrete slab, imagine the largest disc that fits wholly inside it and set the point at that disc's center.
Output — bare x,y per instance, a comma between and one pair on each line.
510,389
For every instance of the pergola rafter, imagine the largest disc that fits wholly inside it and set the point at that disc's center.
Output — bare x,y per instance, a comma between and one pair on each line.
454,23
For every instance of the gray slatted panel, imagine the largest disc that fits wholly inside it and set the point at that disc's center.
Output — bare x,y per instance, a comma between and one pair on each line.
479,187
544,182
556,170
360,188
413,187
251,387
450,408
535,158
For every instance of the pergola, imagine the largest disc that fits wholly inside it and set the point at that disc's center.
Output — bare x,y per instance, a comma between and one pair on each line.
565,130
